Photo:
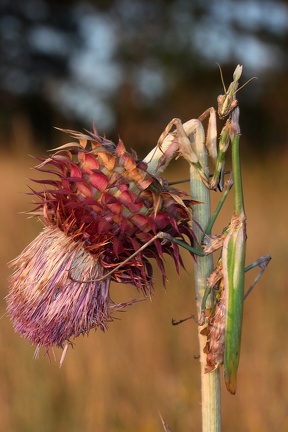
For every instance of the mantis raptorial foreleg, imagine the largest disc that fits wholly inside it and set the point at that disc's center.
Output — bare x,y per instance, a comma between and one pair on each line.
183,139
177,142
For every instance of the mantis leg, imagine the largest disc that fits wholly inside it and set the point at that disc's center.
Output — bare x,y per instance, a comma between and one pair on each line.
217,274
262,263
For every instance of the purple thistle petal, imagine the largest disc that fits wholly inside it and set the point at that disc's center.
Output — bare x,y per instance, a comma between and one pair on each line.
55,297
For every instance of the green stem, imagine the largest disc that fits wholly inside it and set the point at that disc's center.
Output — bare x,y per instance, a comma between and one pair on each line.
210,382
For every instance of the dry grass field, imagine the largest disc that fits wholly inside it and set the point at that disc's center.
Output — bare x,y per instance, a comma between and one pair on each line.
121,380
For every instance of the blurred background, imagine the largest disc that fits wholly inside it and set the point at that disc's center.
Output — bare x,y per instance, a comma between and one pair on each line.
129,66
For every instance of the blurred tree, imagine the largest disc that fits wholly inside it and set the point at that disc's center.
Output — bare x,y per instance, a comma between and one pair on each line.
131,65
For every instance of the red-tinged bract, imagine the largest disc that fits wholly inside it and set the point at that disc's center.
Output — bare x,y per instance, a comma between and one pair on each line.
99,205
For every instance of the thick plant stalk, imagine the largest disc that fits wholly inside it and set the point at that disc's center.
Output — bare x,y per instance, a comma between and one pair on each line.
210,382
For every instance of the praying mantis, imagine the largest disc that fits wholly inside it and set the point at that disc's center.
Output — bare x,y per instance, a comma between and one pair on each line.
225,318
224,327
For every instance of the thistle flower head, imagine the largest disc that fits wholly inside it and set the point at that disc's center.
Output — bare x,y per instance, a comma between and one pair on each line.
99,208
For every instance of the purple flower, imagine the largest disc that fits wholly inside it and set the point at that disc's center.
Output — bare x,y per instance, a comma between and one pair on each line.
99,208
